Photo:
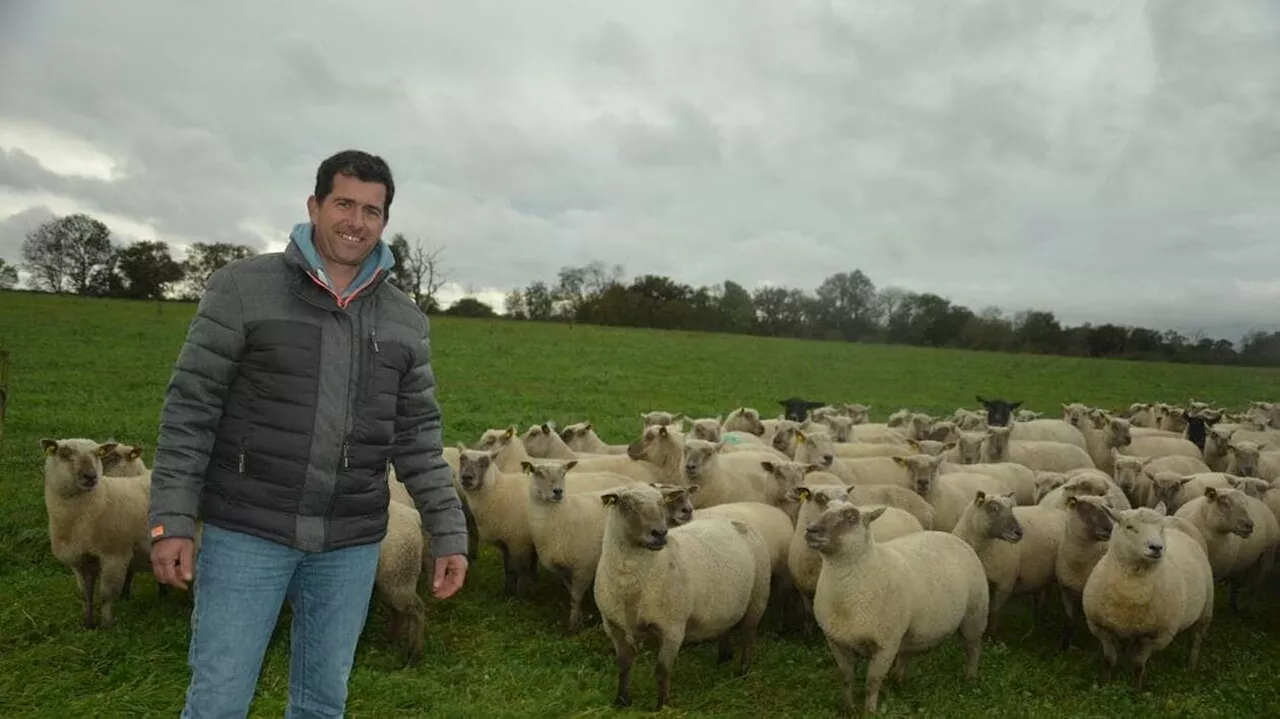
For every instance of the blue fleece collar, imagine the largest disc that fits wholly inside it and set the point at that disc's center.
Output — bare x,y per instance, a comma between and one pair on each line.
380,259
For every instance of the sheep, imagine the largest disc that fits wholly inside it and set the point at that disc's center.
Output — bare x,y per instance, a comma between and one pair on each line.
817,449
658,418
797,409
890,601
400,564
1011,476
1018,547
1026,415
946,493
1150,585
1246,459
98,524
1086,482
542,441
1046,482
805,564
122,460
1176,489
581,437
1047,430
1241,533
744,419
1149,446
1084,541
509,451
682,584
731,477
500,502
567,527
1034,454
710,430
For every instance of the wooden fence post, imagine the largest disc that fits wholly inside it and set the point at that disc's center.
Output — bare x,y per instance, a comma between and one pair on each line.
4,388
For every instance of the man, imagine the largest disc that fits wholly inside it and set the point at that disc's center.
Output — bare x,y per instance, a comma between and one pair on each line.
302,374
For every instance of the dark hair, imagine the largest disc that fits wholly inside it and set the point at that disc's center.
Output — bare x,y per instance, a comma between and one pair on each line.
360,165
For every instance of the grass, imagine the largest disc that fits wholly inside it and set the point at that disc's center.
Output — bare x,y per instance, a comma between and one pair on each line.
98,368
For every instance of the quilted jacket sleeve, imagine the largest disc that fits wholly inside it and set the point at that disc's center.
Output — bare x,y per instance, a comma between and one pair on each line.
202,375
419,456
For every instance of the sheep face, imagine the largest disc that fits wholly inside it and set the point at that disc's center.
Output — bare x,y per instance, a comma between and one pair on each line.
943,431
1083,485
656,444
1046,482
1216,441
841,427
789,475
124,460
1228,512
1166,485
997,440
797,409
547,479
1119,433
639,514
707,430
930,447
538,439
999,411
658,418
922,471
1076,414
857,413
1092,514
678,501
474,466
1246,455
745,419
1251,486
968,420
969,446
816,448
841,527
815,499
72,466
918,425
899,418
784,436
995,516
1128,468
1141,539
496,440
698,454
1026,415
575,431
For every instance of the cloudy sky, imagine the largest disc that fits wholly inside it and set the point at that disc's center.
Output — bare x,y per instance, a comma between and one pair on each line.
1111,161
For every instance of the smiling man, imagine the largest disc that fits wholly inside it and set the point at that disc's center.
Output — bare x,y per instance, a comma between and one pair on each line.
303,373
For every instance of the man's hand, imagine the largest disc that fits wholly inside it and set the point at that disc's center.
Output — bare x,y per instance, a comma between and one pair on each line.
171,561
451,571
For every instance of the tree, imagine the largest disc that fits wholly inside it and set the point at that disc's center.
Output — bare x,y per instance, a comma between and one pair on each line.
203,259
469,307
424,274
8,275
848,304
147,270
66,254
538,301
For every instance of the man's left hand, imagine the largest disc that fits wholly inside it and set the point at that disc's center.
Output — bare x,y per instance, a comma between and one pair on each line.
451,572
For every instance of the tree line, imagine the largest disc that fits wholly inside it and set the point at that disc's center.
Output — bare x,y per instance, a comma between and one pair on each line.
75,254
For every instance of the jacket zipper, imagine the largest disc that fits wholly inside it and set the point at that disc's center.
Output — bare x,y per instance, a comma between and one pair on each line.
242,460
346,460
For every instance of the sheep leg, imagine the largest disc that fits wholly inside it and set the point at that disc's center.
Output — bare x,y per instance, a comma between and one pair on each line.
877,670
1069,621
669,646
1108,643
845,664
473,532
1233,599
624,653
114,570
1198,630
899,671
86,575
508,571
578,585
726,648
999,596
126,589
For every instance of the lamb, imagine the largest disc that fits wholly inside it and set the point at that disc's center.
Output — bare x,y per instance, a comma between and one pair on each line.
684,584
567,528
733,477
501,506
890,601
581,437
744,419
1151,585
805,564
97,524
1241,533
946,493
122,460
400,564
1035,454
1018,547
1084,541
1150,446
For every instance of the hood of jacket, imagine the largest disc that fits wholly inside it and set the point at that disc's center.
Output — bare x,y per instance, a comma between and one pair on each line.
380,260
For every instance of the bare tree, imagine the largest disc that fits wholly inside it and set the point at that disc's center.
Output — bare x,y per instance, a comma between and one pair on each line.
425,273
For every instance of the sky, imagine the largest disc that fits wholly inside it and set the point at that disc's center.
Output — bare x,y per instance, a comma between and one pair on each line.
1111,161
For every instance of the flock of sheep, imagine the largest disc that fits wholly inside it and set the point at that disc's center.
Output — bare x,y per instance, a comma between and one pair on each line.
886,537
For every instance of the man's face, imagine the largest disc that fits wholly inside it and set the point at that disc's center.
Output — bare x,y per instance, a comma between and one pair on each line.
349,222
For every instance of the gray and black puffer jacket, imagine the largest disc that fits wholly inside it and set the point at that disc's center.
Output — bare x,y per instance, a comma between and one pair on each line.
286,403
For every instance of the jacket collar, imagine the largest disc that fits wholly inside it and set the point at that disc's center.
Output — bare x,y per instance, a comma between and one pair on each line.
301,254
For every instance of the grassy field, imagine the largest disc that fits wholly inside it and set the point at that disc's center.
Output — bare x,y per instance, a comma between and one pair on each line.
98,368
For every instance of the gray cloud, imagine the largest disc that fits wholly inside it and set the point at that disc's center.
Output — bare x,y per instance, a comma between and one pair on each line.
1108,162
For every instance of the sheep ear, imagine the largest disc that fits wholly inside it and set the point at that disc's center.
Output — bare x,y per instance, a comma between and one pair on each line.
1011,495
900,461
872,515
692,489
527,466
1071,501
949,445
799,436
135,452
570,464
813,468
768,466
1161,508
511,432
49,446
1210,493
913,444
979,498
609,499
106,448
803,493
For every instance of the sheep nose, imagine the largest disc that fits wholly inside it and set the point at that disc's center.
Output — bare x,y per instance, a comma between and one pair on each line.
1155,549
557,493
658,534
89,477
828,458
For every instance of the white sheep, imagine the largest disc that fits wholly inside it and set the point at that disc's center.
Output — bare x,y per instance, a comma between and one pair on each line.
682,584
97,524
1084,541
1241,533
1041,455
400,565
948,494
1248,459
1047,430
500,502
890,601
509,452
567,526
122,460
744,419
1151,584
1176,489
1018,547
582,437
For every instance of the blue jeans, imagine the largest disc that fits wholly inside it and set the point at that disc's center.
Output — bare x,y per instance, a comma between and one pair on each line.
240,584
